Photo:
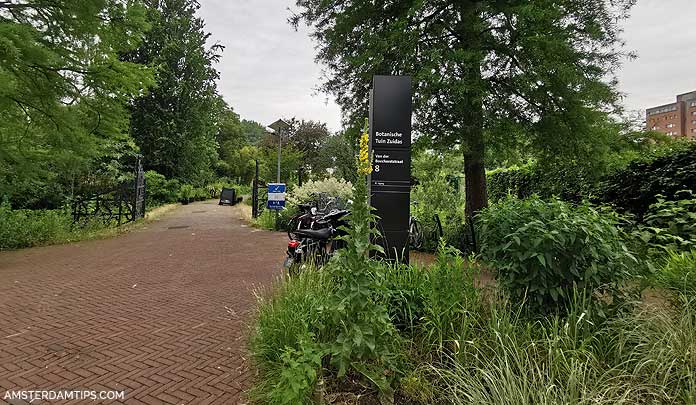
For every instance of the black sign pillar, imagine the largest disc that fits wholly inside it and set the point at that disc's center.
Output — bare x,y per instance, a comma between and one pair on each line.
390,146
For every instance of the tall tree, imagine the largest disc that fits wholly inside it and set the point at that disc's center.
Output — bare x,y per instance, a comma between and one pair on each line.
63,91
253,131
175,123
483,69
308,137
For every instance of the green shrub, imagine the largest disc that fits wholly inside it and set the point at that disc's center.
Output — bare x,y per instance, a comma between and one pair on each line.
671,224
286,324
437,192
160,190
266,220
635,188
187,193
544,251
679,273
25,228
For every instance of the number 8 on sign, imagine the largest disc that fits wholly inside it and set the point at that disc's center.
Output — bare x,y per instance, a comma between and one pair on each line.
376,168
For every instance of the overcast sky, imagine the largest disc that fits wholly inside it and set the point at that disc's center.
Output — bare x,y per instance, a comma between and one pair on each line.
268,69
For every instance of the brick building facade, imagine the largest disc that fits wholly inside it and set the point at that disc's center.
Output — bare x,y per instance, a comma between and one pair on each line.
676,119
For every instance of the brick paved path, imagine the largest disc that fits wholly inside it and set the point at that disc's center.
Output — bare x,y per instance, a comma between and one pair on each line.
161,313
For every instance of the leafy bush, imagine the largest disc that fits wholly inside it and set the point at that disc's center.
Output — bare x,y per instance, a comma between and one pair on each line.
160,190
24,228
635,188
187,193
544,251
331,186
671,224
27,228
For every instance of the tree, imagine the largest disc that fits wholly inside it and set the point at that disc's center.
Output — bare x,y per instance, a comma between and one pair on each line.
253,131
63,91
176,122
336,154
308,137
483,70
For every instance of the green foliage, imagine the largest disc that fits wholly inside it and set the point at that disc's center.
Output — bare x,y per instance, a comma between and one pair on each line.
174,124
160,190
516,181
266,220
544,251
336,155
670,224
286,323
436,192
678,273
569,181
63,89
309,137
299,375
187,192
635,188
26,228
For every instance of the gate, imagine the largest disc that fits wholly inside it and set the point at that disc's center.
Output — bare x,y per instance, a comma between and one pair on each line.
119,205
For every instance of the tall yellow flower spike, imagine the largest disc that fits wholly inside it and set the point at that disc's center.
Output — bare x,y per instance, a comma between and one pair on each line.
365,163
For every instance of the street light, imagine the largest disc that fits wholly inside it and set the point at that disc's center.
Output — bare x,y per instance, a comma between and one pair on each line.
278,128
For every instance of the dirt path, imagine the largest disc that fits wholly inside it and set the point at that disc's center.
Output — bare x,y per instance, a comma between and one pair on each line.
161,312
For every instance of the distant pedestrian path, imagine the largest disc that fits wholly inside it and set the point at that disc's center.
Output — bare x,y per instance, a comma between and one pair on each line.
160,312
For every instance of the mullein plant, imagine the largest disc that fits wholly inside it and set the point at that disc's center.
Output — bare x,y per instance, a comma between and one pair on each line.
367,340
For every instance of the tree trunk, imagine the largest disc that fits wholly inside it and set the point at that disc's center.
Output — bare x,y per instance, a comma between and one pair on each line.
475,175
472,94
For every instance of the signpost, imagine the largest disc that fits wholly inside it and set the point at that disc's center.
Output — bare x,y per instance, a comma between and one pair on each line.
276,196
390,144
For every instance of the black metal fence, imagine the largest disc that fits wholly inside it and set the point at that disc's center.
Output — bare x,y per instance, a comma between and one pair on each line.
119,205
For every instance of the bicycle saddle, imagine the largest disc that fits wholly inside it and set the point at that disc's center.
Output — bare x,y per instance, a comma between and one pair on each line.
324,233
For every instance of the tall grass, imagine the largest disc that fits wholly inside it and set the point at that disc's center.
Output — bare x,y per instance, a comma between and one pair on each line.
644,357
287,314
678,273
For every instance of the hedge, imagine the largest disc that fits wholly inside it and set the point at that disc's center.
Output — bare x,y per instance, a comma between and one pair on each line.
635,188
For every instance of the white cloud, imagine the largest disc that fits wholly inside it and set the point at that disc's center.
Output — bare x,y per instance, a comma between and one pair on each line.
268,69
663,34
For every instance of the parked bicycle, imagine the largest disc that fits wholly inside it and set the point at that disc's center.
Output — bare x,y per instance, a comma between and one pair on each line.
313,233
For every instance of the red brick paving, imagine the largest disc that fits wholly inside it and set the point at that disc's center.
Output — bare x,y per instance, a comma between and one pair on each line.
160,313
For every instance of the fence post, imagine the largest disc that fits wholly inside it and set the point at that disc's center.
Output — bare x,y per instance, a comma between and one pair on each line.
255,193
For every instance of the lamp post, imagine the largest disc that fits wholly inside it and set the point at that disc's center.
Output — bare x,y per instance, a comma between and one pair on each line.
279,127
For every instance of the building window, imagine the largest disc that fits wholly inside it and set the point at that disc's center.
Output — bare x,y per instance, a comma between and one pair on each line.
654,127
670,125
693,103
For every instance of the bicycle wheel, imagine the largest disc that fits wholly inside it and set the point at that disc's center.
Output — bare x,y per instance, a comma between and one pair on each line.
415,235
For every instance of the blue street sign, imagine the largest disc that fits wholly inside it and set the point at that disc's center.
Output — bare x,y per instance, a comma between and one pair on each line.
276,196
